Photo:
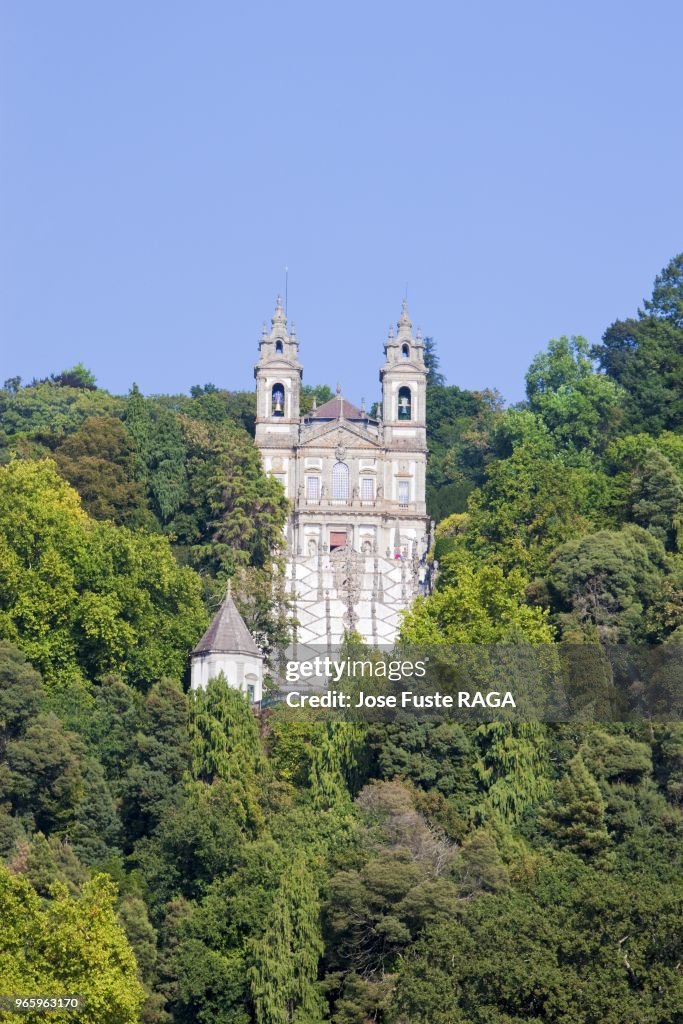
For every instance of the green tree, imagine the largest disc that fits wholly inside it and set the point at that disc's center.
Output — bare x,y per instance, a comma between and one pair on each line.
575,944
213,954
512,768
46,411
160,453
200,837
45,773
215,405
645,356
111,726
162,756
579,406
480,866
667,295
96,832
458,429
475,606
245,509
431,359
45,861
656,498
99,461
81,596
225,745
602,584
142,937
434,756
79,376
533,499
69,945
320,392
21,694
283,976
576,818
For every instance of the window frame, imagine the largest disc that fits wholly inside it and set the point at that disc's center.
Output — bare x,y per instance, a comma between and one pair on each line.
340,481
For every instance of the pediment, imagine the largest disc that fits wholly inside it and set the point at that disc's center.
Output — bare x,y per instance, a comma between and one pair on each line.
404,365
340,432
279,362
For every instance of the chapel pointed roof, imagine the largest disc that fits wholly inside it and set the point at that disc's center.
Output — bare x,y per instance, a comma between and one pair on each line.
227,633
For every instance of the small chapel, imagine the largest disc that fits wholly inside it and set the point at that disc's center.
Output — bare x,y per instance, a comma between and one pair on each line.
228,647
358,530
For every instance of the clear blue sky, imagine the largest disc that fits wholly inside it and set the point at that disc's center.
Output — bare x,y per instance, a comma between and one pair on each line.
519,165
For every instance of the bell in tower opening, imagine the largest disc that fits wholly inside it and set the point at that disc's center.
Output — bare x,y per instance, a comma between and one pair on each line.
404,404
278,403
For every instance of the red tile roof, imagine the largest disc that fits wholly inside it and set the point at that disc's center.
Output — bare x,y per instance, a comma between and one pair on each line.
330,411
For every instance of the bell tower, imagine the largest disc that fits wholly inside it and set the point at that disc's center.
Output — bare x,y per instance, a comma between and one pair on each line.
278,375
278,379
404,386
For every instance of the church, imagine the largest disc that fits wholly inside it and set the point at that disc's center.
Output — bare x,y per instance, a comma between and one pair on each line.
358,530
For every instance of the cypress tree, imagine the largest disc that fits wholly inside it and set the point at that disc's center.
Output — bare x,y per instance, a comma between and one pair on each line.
283,976
577,815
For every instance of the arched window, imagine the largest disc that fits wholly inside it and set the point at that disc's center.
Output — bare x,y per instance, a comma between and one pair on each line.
405,351
278,347
405,411
277,405
340,481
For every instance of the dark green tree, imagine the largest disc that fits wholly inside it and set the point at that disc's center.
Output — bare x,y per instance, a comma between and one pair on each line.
645,356
79,376
284,974
162,757
667,295
45,773
656,498
225,744
431,358
603,584
576,819
99,461
320,392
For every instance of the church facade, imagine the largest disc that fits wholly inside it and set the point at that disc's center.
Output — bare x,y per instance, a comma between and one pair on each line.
358,529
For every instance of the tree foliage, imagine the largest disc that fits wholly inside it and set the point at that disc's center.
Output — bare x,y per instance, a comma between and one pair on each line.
82,596
68,946
176,858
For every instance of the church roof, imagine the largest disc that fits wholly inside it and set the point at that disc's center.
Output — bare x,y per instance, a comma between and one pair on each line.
227,633
331,410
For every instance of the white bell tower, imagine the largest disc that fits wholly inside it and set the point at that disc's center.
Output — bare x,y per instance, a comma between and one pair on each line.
278,375
404,386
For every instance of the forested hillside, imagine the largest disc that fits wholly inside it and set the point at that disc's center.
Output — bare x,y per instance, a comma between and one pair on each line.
177,859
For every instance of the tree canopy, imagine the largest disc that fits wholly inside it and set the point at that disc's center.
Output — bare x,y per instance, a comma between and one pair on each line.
175,858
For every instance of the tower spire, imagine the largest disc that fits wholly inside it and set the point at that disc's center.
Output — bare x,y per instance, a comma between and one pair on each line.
405,327
279,318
